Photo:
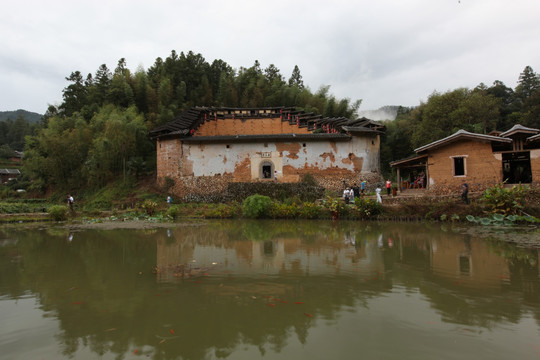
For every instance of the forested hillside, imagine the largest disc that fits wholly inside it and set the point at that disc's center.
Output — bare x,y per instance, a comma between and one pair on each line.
100,130
14,127
29,116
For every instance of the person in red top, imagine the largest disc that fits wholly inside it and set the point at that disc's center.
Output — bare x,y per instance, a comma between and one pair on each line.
388,186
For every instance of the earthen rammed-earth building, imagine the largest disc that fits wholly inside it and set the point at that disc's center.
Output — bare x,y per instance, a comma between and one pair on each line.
206,148
479,160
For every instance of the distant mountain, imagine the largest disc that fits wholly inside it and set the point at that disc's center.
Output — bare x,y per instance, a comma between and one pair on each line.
29,116
384,113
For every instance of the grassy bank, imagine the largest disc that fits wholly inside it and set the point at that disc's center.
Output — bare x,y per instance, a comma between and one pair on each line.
142,200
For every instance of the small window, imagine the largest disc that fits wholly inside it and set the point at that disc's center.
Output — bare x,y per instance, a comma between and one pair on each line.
304,145
459,166
228,146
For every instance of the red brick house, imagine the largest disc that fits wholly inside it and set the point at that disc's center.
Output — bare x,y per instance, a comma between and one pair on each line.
479,160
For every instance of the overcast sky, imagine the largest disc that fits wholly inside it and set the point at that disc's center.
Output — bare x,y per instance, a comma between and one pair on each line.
385,52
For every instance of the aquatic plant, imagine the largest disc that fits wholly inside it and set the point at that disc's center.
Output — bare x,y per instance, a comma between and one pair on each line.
502,220
501,200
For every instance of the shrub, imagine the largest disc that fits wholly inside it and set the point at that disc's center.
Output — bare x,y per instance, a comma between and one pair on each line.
309,210
367,208
58,212
504,201
335,206
283,210
280,191
149,207
223,211
256,206
173,212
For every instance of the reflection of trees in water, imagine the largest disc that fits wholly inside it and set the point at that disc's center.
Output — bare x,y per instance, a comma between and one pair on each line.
93,285
524,269
477,303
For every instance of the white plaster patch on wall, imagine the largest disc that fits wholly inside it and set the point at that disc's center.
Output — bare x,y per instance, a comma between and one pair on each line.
498,156
535,154
212,159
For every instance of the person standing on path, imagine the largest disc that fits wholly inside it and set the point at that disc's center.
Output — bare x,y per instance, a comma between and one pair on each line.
388,187
465,193
70,202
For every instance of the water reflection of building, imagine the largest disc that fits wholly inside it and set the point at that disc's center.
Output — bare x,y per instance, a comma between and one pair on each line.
452,258
284,254
471,262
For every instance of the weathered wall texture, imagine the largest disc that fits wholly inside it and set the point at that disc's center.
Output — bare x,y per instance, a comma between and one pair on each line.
483,168
535,166
269,126
169,157
207,167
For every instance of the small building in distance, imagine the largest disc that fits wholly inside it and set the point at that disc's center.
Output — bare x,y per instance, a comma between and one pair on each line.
479,160
8,174
206,148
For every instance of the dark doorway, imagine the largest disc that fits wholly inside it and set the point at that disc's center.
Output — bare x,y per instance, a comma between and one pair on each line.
266,170
517,167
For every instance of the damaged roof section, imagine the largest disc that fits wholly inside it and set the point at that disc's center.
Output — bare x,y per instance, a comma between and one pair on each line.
270,137
187,123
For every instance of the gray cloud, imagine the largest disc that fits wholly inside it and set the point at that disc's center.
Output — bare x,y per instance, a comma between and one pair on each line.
387,52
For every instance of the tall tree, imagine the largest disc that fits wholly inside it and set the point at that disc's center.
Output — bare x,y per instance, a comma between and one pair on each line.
75,94
528,83
120,91
99,87
296,78
507,103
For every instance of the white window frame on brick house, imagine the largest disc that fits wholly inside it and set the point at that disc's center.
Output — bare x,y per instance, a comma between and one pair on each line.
453,158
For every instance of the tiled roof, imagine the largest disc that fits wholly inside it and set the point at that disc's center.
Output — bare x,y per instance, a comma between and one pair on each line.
10,172
269,137
519,129
534,138
460,135
187,122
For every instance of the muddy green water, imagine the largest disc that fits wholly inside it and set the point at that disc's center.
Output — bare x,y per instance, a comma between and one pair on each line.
266,290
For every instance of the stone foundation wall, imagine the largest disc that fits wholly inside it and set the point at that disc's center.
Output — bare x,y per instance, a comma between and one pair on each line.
214,188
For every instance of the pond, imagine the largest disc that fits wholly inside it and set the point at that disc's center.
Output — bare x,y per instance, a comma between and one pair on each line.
266,289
